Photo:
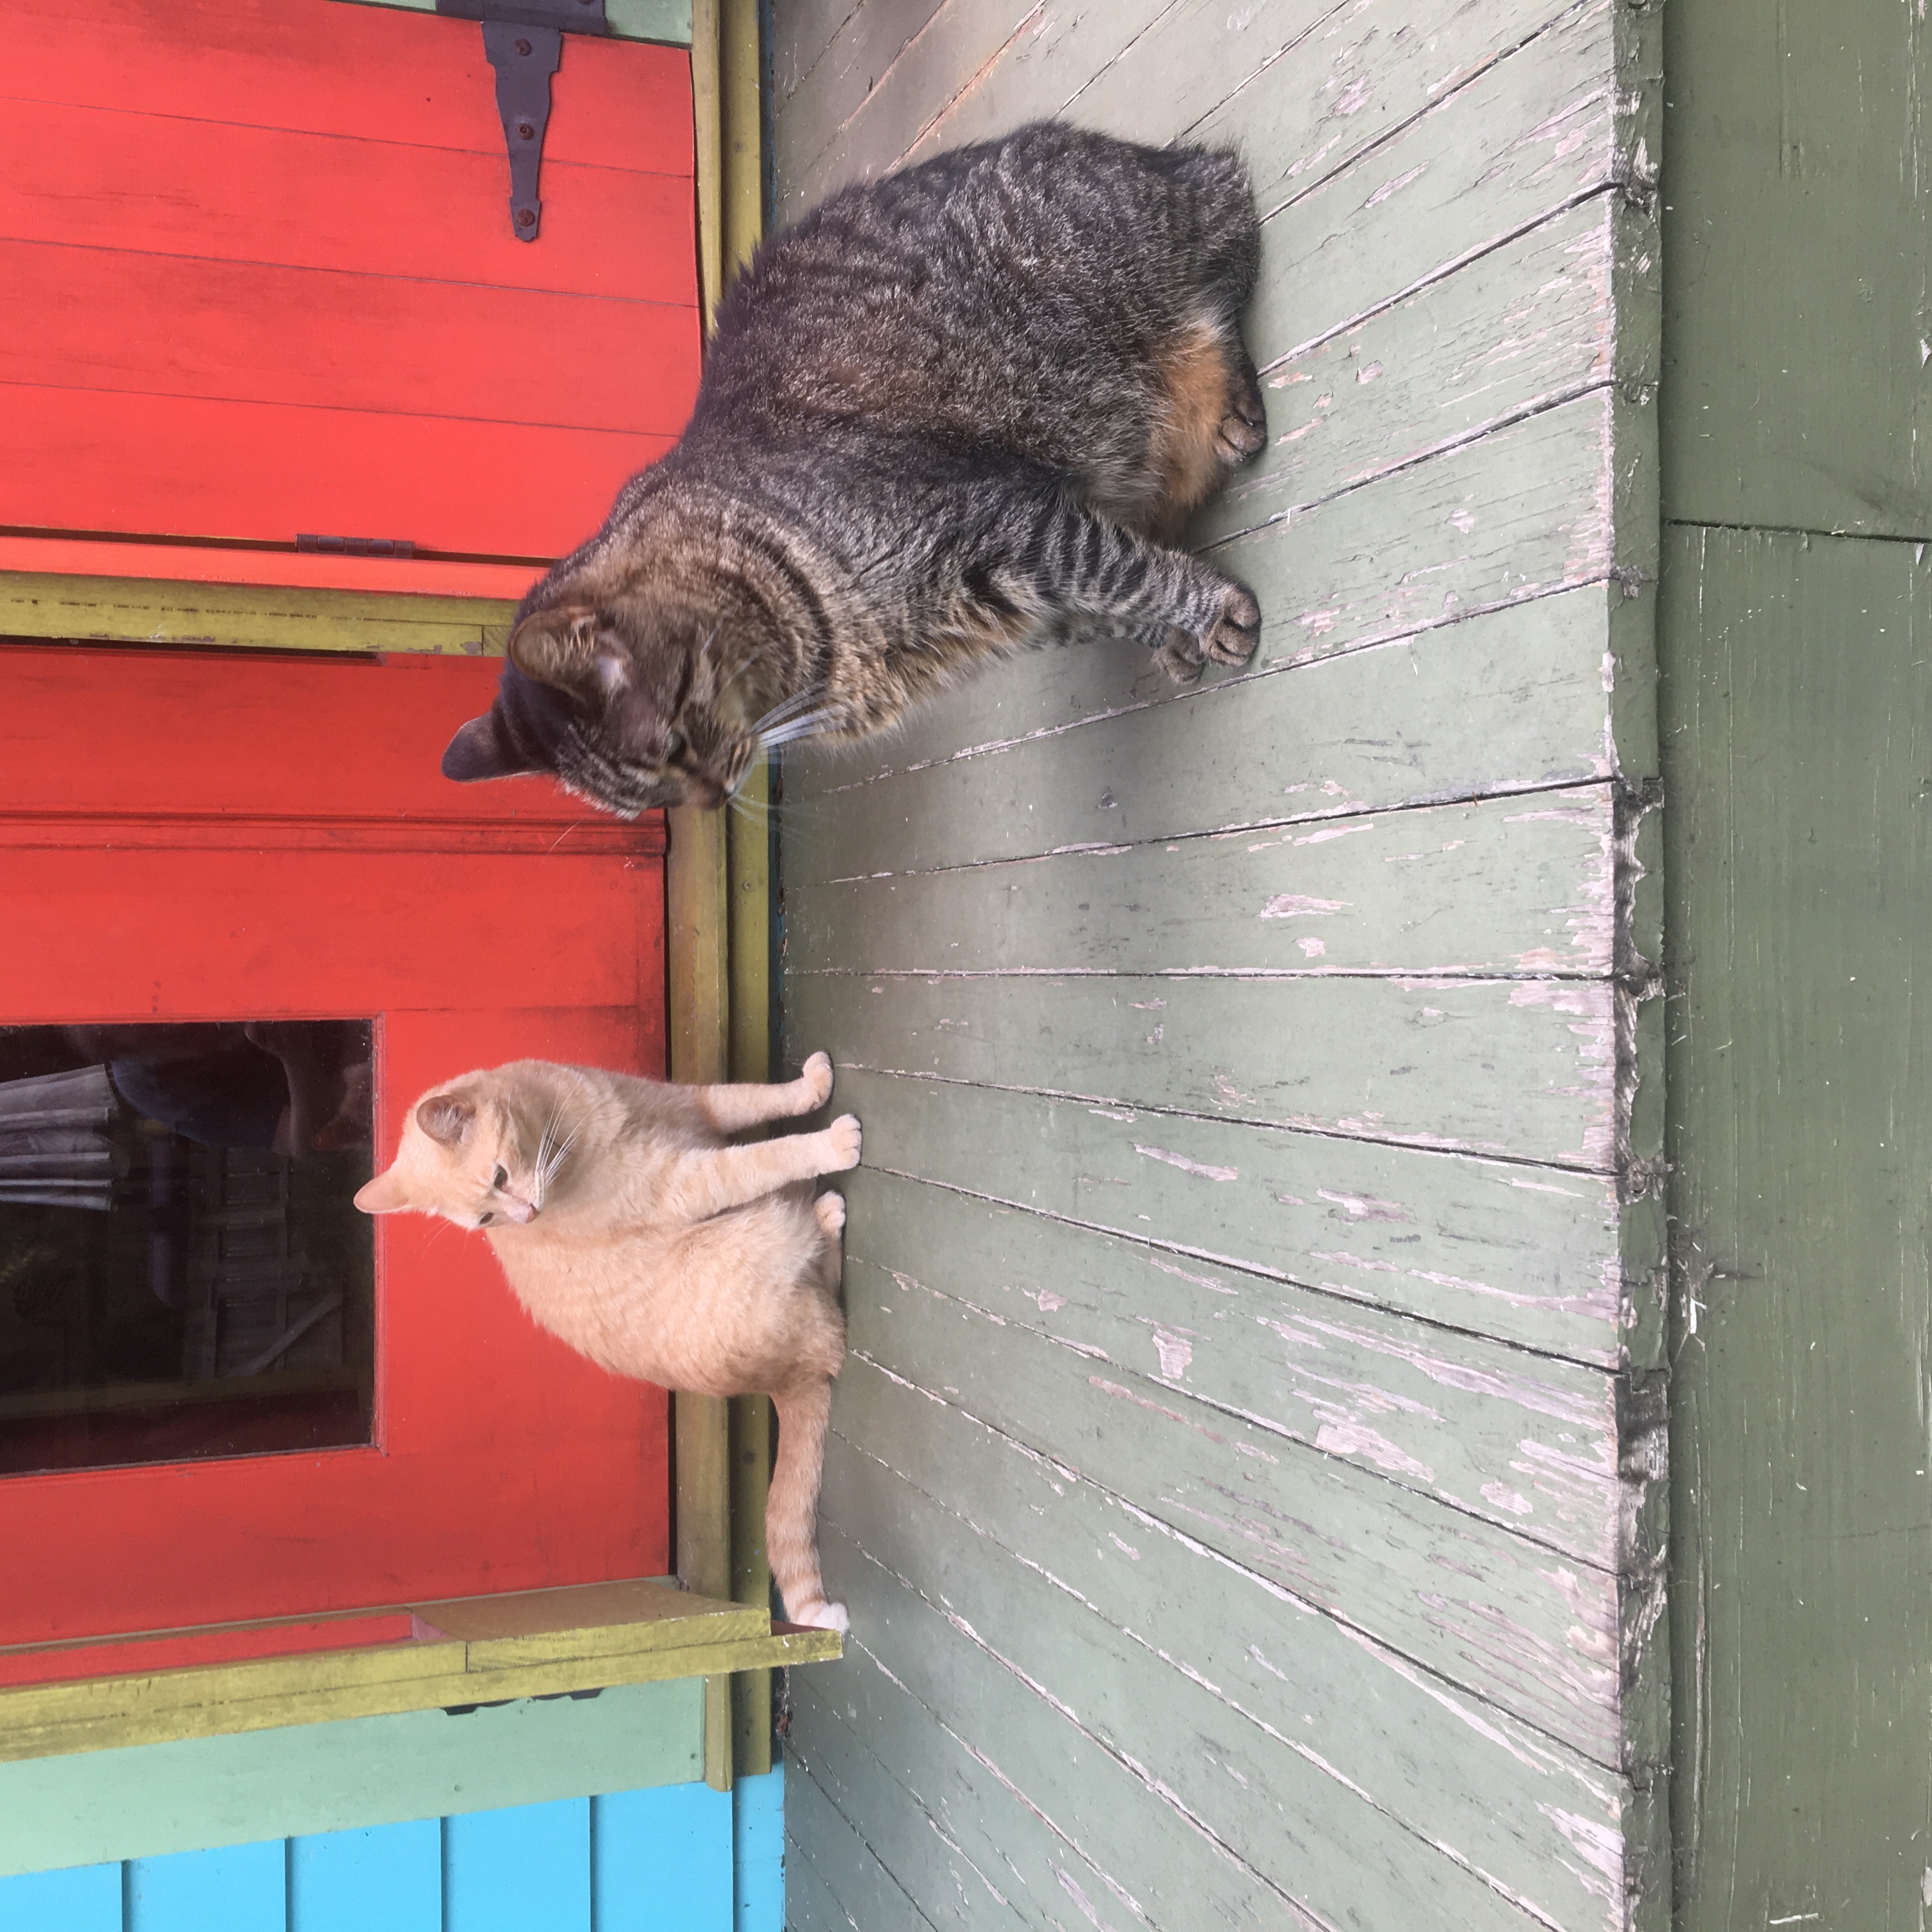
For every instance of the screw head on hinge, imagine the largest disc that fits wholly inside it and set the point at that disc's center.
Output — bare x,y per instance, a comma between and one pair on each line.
527,217
525,132
523,48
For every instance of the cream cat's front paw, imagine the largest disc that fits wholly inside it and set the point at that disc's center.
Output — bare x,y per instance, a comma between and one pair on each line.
816,1077
841,1143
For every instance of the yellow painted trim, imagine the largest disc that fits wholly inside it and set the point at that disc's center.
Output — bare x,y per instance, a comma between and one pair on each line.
530,1644
132,609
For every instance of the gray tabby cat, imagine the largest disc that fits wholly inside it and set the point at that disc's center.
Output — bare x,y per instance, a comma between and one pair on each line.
950,414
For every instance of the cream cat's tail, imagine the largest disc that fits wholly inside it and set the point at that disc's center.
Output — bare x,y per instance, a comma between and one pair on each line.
791,1510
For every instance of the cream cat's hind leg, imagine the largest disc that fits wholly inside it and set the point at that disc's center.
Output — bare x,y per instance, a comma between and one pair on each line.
730,1108
830,1209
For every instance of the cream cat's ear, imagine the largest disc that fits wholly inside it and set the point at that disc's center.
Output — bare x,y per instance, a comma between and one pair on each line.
447,1118
385,1195
557,646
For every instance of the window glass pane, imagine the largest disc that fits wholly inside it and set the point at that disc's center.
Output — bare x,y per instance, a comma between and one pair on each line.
183,1273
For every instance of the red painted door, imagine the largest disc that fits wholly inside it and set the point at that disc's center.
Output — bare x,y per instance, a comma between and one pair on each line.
257,279
206,838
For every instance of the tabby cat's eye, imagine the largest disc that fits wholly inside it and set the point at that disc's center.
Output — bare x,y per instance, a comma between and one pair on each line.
674,744
500,1178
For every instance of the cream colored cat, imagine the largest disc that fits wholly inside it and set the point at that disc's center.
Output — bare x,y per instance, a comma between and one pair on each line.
627,1226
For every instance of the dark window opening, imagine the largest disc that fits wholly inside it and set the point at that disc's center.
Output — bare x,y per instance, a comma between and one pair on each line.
183,1273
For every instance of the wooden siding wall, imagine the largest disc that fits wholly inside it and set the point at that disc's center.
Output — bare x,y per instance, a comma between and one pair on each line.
1797,602
1245,1482
678,1858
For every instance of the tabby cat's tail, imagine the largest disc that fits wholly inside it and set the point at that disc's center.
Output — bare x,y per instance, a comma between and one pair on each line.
791,1509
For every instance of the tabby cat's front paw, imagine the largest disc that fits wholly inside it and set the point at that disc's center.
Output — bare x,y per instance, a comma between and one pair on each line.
842,1144
816,1075
1236,628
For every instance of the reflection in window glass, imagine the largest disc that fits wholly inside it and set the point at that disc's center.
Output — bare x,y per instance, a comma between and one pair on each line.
183,1273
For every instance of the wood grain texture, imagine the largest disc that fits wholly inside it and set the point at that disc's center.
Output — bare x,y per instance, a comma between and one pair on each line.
1289,1815
1507,885
1363,1718
1526,1440
1472,1603
1521,1254
1424,1062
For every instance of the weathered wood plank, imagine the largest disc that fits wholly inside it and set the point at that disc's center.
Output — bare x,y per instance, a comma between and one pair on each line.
889,70
869,1895
1272,1800
1508,1620
1529,136
809,1904
1525,1255
1529,325
1161,1868
1526,1442
800,32
1512,700
1450,1768
1038,1873
1504,886
943,1883
1522,1068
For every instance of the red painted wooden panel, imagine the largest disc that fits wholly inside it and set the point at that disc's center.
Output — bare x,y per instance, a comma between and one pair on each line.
294,1638
380,74
208,190
261,280
502,1460
172,466
180,734
241,331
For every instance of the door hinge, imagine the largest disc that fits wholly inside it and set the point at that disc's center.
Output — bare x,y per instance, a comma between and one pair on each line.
524,41
355,546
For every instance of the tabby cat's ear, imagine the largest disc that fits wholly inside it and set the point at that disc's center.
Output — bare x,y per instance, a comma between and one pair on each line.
557,646
446,1118
479,750
385,1195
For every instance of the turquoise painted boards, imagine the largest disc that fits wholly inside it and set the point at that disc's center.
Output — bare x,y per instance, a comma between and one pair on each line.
680,1858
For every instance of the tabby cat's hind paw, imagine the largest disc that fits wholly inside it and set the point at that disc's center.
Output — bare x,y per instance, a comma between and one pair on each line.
830,1209
1241,435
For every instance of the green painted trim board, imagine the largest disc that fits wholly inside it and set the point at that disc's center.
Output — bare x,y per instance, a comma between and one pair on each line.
200,1792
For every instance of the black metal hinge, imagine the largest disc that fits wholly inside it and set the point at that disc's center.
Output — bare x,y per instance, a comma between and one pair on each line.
524,40
355,546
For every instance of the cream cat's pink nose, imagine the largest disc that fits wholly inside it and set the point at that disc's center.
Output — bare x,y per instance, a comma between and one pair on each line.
518,1211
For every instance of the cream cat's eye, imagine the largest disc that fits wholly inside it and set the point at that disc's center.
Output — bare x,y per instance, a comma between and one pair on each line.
500,1179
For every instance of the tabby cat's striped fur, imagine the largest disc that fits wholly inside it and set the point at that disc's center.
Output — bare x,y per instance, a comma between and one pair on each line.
949,414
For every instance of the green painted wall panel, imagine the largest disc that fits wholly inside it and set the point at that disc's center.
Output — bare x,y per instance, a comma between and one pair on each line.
1798,740
1800,298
